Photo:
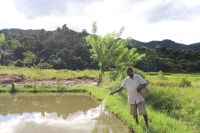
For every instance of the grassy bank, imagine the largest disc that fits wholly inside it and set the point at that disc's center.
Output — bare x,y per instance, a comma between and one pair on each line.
160,122
172,105
38,74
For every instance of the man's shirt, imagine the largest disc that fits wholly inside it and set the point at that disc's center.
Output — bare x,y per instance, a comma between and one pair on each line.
131,86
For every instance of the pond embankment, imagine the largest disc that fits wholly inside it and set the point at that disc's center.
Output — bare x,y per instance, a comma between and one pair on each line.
6,80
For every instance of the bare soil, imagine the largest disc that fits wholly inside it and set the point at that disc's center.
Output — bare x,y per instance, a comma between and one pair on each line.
9,79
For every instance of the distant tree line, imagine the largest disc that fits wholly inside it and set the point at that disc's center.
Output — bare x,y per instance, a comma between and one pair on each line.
59,49
169,60
68,49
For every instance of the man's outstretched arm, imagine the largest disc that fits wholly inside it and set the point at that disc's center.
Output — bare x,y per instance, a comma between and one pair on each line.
117,90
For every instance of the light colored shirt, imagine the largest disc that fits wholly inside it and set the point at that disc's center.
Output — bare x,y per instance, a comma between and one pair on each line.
131,86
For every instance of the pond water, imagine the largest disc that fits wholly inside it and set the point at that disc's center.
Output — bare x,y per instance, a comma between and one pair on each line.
55,113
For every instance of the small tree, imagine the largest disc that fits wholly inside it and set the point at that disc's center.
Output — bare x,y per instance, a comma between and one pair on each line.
4,48
2,38
111,51
29,58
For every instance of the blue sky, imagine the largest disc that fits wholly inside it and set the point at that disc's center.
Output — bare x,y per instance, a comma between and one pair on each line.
144,20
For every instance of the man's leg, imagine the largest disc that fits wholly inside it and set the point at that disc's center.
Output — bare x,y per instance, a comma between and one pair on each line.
146,120
142,110
136,118
133,111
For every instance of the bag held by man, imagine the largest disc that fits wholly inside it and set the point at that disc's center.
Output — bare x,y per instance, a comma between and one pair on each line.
144,92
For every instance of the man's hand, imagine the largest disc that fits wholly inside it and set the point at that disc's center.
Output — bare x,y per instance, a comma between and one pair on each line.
117,90
111,93
141,86
139,89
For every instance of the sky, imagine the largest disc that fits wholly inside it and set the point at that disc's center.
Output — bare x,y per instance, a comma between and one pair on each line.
144,20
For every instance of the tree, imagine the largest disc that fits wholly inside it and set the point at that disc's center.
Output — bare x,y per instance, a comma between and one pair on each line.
64,29
29,58
110,51
4,48
21,34
17,49
175,53
2,38
29,44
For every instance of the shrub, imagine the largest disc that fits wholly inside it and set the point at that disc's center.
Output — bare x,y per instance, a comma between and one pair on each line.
13,90
44,65
185,82
19,63
161,76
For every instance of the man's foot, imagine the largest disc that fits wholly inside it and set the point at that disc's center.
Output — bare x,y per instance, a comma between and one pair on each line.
149,128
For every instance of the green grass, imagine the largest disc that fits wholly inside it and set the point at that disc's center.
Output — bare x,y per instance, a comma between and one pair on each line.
36,74
158,121
173,105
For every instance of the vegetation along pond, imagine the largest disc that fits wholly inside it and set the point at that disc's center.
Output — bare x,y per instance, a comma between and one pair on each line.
56,113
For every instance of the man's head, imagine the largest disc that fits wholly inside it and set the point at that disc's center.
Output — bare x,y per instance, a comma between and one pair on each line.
129,72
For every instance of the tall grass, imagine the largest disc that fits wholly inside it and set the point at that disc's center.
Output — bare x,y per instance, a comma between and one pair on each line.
159,122
173,103
36,73
178,96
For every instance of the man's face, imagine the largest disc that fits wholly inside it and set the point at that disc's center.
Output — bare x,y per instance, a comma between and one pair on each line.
129,73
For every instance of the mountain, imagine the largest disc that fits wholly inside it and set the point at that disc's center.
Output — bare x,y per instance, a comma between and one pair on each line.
150,45
195,45
165,43
29,31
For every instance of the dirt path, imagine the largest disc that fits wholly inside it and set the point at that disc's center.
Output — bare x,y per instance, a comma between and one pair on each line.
7,80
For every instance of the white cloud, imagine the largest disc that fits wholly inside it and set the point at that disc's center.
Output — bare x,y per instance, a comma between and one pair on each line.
144,20
172,11
26,122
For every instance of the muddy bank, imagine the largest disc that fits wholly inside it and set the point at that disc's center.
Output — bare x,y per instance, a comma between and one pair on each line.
6,80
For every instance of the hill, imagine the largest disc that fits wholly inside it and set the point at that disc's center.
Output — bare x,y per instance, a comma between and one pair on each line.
29,31
165,43
150,45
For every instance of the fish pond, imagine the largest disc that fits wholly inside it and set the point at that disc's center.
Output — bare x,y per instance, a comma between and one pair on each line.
56,112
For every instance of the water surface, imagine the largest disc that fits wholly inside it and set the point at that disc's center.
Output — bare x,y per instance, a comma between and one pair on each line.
55,113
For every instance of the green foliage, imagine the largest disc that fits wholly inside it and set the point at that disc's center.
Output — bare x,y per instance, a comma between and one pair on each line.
179,99
2,38
170,80
28,73
159,120
44,65
59,83
110,51
160,75
66,49
13,90
19,63
29,58
94,27
185,82
169,60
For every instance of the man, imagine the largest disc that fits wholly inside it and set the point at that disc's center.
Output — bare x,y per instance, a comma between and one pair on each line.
134,84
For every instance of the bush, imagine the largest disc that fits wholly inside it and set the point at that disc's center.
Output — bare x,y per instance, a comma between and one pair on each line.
44,65
185,82
13,90
161,76
19,63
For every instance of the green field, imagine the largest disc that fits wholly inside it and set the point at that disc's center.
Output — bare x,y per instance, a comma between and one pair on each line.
173,104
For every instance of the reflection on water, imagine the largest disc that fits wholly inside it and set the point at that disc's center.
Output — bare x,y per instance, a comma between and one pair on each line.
55,113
